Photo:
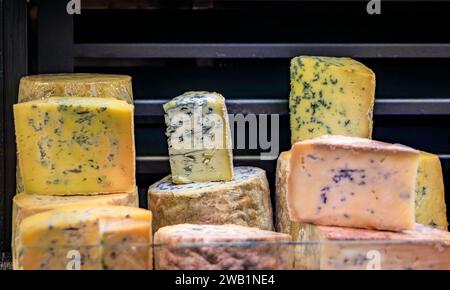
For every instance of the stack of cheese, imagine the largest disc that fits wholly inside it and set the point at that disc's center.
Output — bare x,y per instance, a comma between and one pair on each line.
204,188
333,189
75,143
207,201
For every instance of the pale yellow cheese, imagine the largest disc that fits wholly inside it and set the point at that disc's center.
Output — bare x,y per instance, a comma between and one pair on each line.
44,240
330,95
72,146
352,182
430,195
199,138
337,248
36,87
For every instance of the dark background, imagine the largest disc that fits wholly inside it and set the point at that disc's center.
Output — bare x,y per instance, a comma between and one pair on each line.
238,48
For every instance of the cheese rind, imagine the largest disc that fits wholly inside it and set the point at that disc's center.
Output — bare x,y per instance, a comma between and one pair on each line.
283,224
330,95
126,245
37,87
221,247
243,201
352,182
430,195
72,146
325,247
199,139
44,240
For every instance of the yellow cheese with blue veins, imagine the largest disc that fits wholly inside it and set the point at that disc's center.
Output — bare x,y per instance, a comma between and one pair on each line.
330,95
430,195
199,138
75,146
44,240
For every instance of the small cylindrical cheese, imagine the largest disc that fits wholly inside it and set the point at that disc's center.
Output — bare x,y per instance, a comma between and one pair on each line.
244,201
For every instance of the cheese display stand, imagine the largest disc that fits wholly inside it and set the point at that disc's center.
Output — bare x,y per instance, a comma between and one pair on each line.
166,151
338,200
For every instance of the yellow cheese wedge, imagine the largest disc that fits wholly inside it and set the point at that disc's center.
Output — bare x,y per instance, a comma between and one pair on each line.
352,182
330,95
337,248
430,194
43,86
25,205
199,139
75,146
46,240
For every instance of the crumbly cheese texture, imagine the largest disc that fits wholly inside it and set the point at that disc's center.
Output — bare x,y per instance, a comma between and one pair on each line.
199,139
43,240
337,248
221,247
282,222
330,95
38,87
245,201
73,146
352,182
430,195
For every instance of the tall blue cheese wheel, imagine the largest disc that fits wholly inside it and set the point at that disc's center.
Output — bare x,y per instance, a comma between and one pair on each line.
199,139
243,201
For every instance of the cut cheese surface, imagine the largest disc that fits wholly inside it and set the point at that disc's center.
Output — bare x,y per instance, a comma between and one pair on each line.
25,205
126,245
43,240
198,135
430,195
328,247
69,146
221,247
283,223
352,182
37,87
330,95
245,201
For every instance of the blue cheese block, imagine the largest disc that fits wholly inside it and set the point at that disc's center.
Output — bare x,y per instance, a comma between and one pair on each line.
243,201
199,139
